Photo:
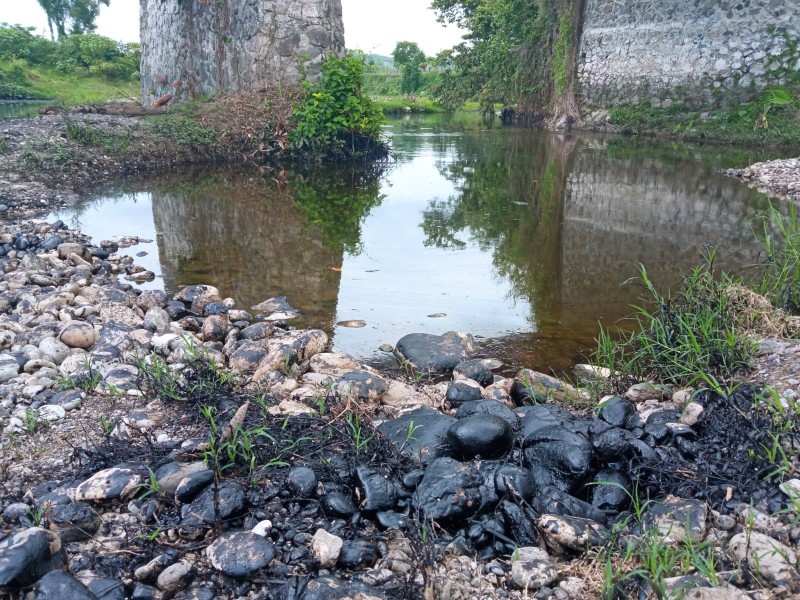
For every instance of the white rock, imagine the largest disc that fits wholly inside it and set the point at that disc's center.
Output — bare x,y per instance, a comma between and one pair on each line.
263,528
52,412
769,558
791,488
326,547
531,568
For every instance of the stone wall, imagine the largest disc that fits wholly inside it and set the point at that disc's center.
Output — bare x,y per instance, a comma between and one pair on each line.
193,47
701,52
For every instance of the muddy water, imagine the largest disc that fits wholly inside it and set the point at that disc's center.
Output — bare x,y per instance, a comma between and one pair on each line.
521,237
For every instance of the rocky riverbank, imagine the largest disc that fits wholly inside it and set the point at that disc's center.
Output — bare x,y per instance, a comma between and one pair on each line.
182,447
779,178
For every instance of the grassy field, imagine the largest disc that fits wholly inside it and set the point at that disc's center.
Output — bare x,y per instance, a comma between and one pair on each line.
69,89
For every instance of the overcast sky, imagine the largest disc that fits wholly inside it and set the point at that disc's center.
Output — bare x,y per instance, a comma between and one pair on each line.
370,25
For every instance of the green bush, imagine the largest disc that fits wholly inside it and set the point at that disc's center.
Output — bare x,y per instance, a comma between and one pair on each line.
335,118
93,54
14,82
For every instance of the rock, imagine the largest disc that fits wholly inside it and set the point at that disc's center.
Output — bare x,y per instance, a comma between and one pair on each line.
589,374
78,335
692,413
463,391
51,412
333,363
326,548
290,347
421,434
435,353
514,481
240,553
246,358
487,407
193,484
338,505
73,522
672,515
274,305
170,475
151,299
377,491
357,553
332,588
215,328
302,481
53,350
263,528
532,387
486,436
200,513
642,392
770,559
572,533
361,385
257,331
60,585
609,490
616,411
352,324
117,483
177,577
551,500
29,554
450,491
474,370
157,320
531,569
558,455
106,588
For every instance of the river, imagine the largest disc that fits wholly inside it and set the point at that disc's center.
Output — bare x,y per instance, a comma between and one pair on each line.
523,238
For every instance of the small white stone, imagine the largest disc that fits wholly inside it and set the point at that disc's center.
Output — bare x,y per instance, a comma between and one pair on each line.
263,528
326,547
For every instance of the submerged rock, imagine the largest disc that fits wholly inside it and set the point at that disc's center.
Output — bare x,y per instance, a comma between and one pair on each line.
435,353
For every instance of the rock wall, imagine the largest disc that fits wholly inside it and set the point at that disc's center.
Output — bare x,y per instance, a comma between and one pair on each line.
194,47
701,52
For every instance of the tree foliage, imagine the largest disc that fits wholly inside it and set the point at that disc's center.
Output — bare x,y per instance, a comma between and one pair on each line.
71,16
517,52
411,59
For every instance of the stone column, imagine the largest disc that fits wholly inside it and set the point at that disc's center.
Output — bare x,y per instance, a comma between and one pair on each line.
196,47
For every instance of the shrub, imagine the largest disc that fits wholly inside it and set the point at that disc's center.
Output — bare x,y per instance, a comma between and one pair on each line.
18,42
93,54
335,117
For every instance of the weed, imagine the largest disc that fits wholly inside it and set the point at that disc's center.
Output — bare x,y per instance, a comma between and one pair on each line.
182,127
36,515
781,241
679,339
107,426
32,421
354,427
151,487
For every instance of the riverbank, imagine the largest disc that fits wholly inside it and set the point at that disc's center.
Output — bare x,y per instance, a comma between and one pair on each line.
184,447
102,385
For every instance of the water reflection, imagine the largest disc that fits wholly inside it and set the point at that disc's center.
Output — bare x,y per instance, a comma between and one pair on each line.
516,235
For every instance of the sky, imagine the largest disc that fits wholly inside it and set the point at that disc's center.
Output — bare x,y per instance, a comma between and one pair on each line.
370,25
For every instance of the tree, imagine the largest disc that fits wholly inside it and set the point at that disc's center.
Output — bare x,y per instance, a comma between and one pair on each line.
78,15
411,59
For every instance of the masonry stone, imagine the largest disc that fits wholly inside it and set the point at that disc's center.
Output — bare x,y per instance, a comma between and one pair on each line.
709,53
196,47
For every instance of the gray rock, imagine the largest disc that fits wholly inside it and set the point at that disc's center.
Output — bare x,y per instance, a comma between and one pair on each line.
156,319
474,370
51,412
333,363
421,434
486,436
770,559
246,358
240,553
436,353
106,588
302,481
361,385
672,515
177,577
572,533
117,483
60,585
200,513
73,522
54,350
170,475
151,299
215,328
28,554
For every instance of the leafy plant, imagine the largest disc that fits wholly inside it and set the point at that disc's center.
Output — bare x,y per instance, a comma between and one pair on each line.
360,439
780,238
335,118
